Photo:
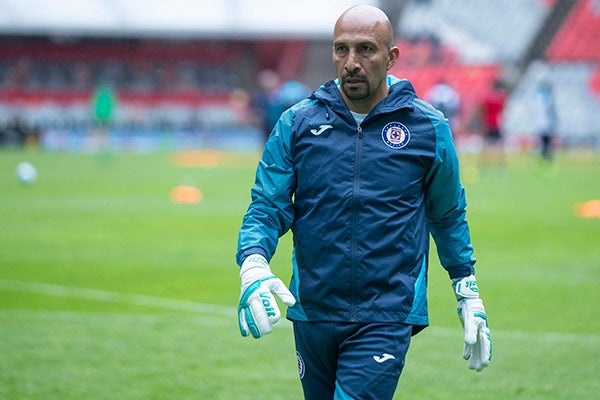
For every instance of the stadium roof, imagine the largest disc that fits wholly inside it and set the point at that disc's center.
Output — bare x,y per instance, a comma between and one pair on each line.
177,18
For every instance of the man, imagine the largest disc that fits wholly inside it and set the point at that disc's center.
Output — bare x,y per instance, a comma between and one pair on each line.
361,171
447,100
546,120
492,110
267,84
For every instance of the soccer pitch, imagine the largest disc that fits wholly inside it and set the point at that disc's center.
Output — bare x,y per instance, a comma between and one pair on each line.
109,290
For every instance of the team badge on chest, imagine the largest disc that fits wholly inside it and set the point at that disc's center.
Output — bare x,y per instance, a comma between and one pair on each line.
395,135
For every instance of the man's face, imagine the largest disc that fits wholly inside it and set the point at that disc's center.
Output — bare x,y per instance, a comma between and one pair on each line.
362,57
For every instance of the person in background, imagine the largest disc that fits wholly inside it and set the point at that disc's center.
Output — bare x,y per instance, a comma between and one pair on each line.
267,84
362,172
546,120
447,100
492,110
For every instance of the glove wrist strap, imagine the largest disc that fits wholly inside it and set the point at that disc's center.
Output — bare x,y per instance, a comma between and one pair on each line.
254,261
465,288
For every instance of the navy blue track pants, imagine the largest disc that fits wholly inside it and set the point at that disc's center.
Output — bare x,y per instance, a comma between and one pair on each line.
350,361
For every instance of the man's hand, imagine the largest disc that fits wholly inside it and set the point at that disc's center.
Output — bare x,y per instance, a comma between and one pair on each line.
257,310
478,344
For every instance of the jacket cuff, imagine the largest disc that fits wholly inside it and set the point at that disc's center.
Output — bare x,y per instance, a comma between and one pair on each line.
460,271
252,250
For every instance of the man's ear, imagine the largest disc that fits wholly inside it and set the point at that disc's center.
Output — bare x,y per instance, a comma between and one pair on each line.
393,55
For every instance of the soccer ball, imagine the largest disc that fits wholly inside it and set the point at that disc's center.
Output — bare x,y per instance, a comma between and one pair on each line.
26,173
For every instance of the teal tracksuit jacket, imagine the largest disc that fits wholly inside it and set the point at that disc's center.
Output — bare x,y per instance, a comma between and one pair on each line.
361,202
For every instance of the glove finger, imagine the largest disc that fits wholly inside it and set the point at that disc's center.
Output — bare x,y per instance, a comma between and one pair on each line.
262,318
485,348
481,351
475,360
467,351
252,322
244,330
474,363
470,331
278,287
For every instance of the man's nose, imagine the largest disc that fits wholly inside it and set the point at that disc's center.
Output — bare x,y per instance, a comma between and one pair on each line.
352,65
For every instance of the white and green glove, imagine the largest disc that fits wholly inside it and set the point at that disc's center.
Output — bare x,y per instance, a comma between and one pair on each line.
257,310
478,343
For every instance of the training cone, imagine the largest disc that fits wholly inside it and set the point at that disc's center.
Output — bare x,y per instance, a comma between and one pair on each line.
589,209
185,194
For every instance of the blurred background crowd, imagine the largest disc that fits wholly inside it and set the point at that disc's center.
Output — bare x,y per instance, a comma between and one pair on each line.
155,74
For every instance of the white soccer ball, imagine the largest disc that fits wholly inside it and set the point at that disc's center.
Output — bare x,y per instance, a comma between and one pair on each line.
26,172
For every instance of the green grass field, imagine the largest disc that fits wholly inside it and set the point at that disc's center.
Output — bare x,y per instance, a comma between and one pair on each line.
108,290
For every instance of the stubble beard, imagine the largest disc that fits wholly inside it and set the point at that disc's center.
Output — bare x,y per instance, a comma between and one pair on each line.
357,93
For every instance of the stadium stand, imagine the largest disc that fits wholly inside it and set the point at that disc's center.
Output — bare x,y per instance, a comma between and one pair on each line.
571,63
172,85
48,82
158,84
578,39
473,44
477,30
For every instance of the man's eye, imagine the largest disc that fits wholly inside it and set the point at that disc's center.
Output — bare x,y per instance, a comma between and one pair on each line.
340,49
366,49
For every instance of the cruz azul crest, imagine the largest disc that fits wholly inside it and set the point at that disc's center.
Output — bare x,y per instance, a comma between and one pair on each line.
395,135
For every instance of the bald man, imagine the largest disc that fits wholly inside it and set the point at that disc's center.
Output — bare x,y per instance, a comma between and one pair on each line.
362,172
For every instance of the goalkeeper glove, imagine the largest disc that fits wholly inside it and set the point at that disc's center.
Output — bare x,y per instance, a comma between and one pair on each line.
478,345
257,309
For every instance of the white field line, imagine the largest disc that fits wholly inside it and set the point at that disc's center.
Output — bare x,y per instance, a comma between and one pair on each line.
210,311
547,337
115,297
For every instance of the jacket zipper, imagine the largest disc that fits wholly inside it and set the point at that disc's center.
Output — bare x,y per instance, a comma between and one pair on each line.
354,240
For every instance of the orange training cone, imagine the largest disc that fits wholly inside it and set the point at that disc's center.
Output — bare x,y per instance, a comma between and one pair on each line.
186,195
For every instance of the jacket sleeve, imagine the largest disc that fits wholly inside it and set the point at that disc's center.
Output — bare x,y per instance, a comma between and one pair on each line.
446,203
271,211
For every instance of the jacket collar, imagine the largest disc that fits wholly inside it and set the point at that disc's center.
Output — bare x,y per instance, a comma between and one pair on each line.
401,96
